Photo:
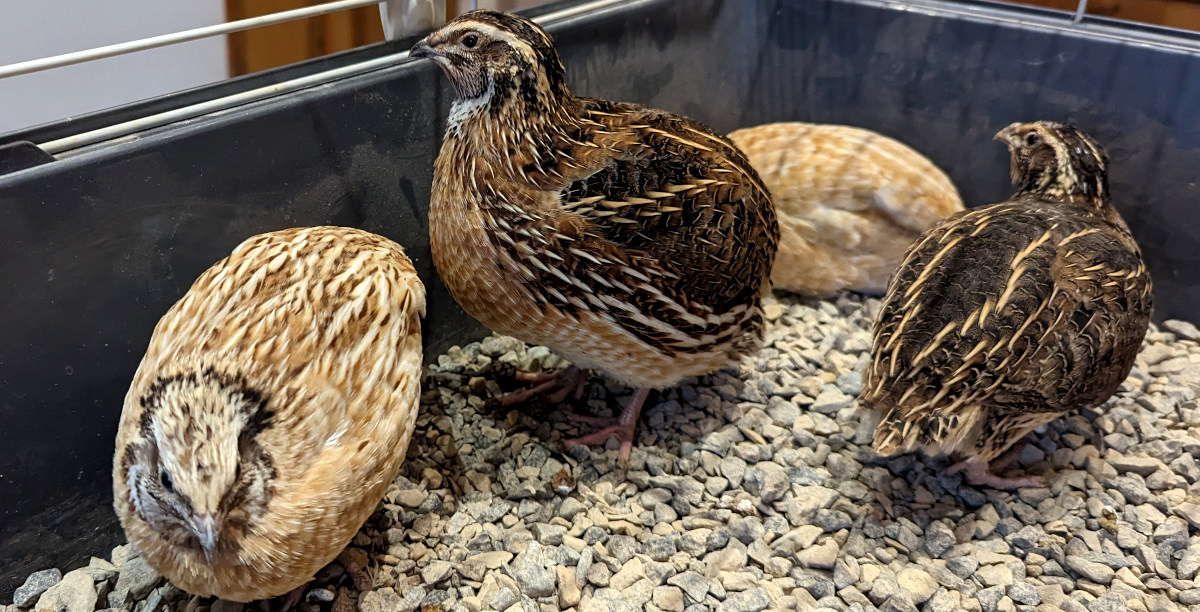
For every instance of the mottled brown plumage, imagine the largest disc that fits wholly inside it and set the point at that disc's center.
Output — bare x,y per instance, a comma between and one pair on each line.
1002,318
850,202
626,238
271,410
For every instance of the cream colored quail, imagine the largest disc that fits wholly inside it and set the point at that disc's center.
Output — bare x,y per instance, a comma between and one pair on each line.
271,410
850,202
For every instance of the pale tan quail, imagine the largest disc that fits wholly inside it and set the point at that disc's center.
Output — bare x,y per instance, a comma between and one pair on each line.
850,202
271,410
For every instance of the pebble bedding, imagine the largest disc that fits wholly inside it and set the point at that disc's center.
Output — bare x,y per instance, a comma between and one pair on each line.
751,489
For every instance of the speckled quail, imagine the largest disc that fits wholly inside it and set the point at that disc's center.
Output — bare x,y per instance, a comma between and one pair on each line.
625,238
1002,318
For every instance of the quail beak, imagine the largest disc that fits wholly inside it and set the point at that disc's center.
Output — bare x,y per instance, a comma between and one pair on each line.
1009,134
422,49
207,529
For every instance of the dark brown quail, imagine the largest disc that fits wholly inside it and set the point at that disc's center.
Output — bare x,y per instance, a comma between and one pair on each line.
1002,318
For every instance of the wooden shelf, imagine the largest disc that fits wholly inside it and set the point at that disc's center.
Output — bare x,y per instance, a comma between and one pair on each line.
1183,14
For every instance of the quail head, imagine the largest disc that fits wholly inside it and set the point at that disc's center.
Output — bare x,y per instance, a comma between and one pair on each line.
271,410
1002,318
625,238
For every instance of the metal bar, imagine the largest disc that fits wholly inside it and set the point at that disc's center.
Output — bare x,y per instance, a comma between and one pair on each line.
177,37
1081,10
55,147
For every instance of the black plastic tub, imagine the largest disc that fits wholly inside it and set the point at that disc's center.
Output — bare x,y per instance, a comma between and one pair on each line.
96,244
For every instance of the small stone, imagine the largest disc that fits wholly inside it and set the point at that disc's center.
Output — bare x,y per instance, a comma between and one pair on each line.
436,572
963,567
570,507
942,601
599,574
1188,565
917,582
319,595
1110,602
502,599
411,498
381,600
1024,593
832,520
1189,597
939,539
1183,329
1143,466
819,557
659,548
990,597
753,600
1096,572
569,592
830,400
608,600
882,589
995,575
1189,511
668,598
76,592
1025,538
629,573
135,581
694,585
845,572
34,586
529,570
898,603
728,559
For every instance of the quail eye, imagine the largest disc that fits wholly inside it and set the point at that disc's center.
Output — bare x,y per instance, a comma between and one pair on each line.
166,481
470,40
1031,139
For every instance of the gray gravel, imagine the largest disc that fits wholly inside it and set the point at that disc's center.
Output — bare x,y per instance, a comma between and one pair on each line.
750,489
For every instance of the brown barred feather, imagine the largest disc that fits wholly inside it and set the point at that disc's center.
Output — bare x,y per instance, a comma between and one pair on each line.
1004,317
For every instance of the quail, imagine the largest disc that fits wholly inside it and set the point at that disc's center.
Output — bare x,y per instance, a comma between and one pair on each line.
850,202
273,406
1002,318
625,238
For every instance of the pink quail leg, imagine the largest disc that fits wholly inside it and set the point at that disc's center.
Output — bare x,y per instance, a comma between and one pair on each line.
979,473
570,379
623,429
999,464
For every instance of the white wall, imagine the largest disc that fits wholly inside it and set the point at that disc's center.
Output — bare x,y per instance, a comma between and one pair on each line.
31,29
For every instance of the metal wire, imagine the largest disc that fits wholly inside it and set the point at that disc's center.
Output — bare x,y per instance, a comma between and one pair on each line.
88,55
55,147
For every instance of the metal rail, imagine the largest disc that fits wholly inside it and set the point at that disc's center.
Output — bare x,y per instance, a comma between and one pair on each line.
153,42
61,145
